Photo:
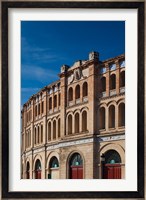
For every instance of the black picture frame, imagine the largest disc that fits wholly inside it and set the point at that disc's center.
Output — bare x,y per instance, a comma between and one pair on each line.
5,101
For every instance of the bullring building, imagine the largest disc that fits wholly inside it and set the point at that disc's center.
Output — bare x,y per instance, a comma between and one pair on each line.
74,128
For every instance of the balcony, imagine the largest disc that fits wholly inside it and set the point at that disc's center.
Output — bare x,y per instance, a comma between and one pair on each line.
50,111
77,101
122,90
70,103
55,109
103,94
112,92
85,99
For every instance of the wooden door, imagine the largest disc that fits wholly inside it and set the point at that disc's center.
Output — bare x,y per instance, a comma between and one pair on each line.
38,174
76,172
112,171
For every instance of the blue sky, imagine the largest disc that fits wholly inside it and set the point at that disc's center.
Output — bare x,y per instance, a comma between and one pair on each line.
46,46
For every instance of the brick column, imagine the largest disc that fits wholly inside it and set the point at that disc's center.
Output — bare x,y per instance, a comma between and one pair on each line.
92,98
63,104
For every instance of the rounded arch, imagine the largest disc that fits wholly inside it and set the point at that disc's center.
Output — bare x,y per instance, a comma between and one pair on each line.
49,127
84,108
112,157
53,162
103,84
122,79
85,89
121,114
77,122
84,121
38,169
68,167
52,165
111,103
52,154
37,157
102,105
55,101
54,129
77,92
112,81
70,94
116,147
111,116
120,101
102,114
70,123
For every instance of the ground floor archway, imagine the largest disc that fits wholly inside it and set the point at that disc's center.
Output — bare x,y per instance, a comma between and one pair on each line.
76,166
38,169
112,165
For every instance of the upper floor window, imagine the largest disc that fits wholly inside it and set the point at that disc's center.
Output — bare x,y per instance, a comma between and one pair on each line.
122,79
55,101
112,67
103,84
70,94
112,82
102,70
50,103
85,89
122,63
77,92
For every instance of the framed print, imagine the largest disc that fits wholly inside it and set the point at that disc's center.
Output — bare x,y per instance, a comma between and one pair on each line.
72,99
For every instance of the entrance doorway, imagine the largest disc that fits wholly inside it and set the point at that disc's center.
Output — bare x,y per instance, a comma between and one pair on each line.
76,167
53,168
112,166
38,169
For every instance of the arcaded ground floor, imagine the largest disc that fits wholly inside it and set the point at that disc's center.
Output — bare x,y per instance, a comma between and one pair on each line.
88,158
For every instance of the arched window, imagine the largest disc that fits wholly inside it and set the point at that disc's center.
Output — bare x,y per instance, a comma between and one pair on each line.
42,107
35,110
35,136
103,84
50,103
59,101
41,133
122,114
77,123
58,127
112,116
39,109
70,94
54,162
102,118
38,135
27,170
77,92
55,101
76,167
84,121
122,79
112,82
38,169
53,168
49,131
112,165
29,142
112,157
69,124
54,129
85,89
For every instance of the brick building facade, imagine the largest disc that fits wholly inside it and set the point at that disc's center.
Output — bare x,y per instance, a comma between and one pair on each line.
75,127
